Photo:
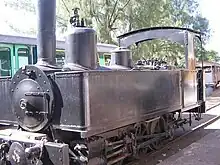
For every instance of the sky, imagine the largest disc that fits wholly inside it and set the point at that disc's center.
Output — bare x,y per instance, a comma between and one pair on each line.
208,8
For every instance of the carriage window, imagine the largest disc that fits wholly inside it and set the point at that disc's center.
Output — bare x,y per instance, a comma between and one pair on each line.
5,61
60,56
23,57
107,59
208,70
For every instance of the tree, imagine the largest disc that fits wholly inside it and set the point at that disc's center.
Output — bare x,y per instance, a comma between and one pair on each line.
210,55
113,17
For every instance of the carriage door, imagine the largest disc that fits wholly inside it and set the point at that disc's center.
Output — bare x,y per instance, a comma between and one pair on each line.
22,54
6,60
101,59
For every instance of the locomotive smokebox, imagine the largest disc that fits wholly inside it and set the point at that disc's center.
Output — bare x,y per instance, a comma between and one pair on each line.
46,38
81,44
121,58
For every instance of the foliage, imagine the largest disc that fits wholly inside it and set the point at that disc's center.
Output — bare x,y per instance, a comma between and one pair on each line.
113,17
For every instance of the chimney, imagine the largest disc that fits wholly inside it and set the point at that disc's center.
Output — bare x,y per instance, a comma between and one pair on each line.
46,30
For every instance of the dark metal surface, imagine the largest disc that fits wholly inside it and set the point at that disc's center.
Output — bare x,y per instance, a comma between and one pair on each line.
81,49
201,90
17,154
5,103
102,101
121,57
71,87
32,98
30,148
57,153
46,39
120,98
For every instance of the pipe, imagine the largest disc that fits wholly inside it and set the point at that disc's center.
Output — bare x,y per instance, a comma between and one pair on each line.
46,29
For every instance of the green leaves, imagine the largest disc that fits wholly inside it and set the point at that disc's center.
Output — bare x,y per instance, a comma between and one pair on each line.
114,17
111,18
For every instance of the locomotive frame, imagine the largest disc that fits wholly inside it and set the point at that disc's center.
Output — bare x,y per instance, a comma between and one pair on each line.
84,115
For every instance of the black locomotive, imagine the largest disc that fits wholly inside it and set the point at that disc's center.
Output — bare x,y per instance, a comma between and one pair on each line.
81,114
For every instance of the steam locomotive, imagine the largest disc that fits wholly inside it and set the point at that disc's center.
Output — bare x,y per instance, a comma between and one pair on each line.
84,114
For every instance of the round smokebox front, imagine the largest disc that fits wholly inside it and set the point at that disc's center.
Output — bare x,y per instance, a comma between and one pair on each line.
32,97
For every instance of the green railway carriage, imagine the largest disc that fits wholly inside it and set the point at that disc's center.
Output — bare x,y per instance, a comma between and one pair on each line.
16,51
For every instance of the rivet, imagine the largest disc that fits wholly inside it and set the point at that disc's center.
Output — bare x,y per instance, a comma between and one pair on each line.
60,159
14,82
39,75
44,82
60,150
38,87
17,76
47,90
12,90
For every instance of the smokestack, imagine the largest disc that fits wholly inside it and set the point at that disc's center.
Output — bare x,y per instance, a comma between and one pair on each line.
46,30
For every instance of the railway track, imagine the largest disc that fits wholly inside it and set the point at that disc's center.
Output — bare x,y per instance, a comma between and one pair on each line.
168,148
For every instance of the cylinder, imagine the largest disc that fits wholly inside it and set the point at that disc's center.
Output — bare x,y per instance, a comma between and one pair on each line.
121,56
81,49
46,29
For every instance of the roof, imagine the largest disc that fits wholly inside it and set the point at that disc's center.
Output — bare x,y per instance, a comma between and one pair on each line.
207,63
60,44
157,28
173,34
